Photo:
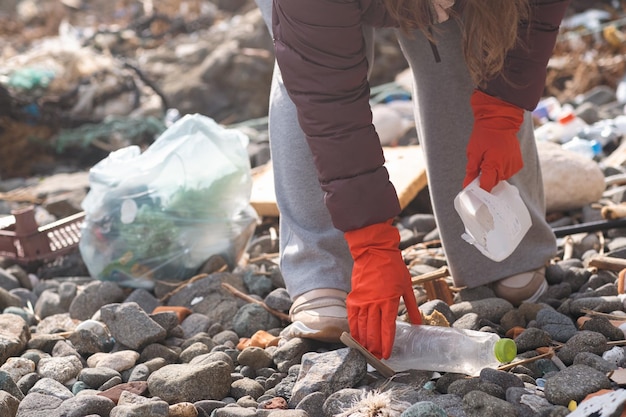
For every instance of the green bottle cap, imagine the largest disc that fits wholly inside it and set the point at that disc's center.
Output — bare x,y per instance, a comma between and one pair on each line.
505,350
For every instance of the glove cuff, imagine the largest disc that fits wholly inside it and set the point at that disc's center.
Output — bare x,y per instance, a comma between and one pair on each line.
377,236
487,108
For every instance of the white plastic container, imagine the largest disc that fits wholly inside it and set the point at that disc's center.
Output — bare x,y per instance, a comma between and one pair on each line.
563,130
446,349
495,222
547,109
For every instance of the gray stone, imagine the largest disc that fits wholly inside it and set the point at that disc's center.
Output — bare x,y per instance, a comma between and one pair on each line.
234,412
226,337
246,387
93,296
282,413
26,382
462,387
195,324
424,409
88,342
255,357
290,353
559,326
212,357
130,325
36,405
574,383
116,380
67,292
340,401
18,272
583,341
511,319
531,339
251,318
481,404
526,401
492,309
17,367
278,299
166,319
25,296
594,361
145,299
8,281
599,304
14,334
7,384
49,386
257,284
206,407
61,369
201,337
119,361
328,372
285,387
503,379
158,350
8,404
469,321
135,405
181,382
192,351
577,277
452,404
141,372
313,404
206,296
83,405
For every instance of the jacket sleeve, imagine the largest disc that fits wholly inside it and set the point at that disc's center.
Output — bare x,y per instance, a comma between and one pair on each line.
320,51
523,79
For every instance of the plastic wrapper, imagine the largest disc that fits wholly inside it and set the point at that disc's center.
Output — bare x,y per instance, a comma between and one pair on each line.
160,214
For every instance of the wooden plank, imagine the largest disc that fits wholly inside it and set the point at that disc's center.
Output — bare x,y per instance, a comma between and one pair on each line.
263,197
617,158
405,164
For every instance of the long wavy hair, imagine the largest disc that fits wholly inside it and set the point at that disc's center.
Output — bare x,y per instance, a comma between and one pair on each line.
490,29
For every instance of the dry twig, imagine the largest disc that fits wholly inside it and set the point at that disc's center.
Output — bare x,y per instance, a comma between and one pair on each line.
249,299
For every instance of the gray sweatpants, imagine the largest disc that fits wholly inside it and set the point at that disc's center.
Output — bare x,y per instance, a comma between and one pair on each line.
315,255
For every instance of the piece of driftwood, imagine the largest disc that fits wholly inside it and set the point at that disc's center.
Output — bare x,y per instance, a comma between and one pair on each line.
608,262
613,211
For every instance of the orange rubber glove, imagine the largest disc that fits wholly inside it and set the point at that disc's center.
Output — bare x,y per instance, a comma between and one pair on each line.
493,150
379,278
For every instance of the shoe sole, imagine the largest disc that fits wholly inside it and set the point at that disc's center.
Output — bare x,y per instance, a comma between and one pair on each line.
329,334
517,296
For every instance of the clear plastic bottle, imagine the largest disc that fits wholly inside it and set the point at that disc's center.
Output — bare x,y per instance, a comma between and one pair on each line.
608,132
585,147
446,349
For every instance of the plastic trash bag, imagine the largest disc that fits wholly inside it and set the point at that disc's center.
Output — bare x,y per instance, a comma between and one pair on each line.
160,214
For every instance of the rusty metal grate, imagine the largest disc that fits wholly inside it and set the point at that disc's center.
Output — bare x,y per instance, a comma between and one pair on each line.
24,241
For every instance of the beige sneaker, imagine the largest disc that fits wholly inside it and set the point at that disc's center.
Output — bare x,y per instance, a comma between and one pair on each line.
319,314
525,287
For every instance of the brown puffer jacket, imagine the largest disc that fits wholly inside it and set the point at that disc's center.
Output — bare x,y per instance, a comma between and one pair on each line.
320,51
